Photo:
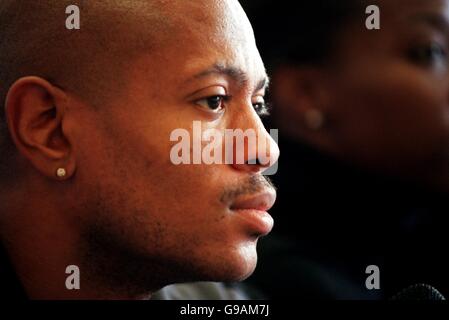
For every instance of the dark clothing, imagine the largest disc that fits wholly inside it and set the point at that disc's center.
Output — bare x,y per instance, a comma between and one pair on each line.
334,220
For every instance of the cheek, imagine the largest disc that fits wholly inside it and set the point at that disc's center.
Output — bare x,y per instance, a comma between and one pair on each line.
394,115
139,165
136,180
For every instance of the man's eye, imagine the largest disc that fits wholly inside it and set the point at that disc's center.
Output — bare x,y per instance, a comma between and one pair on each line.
429,54
262,109
214,103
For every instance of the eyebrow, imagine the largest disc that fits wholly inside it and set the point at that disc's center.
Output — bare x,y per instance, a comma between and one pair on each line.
234,73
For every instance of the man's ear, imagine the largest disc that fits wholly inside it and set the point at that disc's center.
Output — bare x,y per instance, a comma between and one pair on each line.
35,111
302,96
300,89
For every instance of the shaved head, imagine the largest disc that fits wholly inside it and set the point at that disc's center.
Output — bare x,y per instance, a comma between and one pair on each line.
88,62
35,41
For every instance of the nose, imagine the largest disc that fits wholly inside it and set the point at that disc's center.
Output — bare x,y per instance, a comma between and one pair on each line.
254,149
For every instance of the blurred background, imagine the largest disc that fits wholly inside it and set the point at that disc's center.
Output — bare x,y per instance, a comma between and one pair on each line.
363,118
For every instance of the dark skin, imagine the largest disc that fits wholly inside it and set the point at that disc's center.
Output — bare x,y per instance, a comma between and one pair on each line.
384,94
130,219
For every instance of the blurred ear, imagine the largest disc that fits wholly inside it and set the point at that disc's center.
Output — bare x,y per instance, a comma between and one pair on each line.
303,104
300,89
35,111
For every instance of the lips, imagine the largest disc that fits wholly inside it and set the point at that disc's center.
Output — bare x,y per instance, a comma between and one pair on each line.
253,212
260,202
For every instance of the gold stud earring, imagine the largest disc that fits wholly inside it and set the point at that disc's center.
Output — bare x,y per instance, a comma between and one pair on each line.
61,173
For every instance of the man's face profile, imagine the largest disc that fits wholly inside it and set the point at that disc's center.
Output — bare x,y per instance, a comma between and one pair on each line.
131,219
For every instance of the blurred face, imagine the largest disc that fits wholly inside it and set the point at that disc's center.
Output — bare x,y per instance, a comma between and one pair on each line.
389,93
143,216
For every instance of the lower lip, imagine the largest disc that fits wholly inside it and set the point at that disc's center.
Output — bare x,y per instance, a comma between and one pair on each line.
260,222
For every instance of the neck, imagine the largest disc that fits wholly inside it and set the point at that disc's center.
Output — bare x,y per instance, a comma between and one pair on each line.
42,241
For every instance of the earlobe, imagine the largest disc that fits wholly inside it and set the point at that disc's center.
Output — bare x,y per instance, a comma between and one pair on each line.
35,112
314,119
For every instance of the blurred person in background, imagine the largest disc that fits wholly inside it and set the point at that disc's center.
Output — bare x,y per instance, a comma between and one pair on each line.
364,128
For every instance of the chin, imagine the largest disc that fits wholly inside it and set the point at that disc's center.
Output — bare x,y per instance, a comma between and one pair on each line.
234,266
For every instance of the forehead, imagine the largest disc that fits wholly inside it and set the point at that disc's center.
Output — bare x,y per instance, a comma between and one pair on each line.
399,20
208,33
405,20
395,10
